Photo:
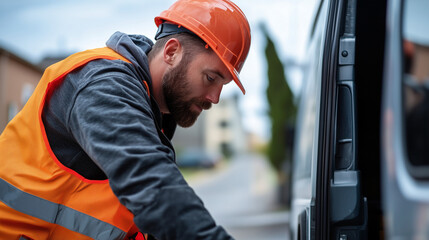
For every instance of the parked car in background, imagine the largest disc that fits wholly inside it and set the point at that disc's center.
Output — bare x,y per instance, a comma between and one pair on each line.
197,158
361,157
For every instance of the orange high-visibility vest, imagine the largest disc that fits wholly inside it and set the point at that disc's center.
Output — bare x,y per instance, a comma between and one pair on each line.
40,198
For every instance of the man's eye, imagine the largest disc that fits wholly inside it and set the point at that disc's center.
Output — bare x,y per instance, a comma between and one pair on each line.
210,79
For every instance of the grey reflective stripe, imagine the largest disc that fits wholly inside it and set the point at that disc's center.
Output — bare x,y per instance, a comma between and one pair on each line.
58,214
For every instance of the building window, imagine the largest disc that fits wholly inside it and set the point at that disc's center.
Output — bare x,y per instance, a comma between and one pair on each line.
226,149
223,124
26,92
12,110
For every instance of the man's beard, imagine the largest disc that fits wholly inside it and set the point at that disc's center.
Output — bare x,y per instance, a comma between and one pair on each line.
176,89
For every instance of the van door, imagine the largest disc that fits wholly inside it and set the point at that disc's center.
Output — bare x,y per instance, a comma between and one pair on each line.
340,208
405,121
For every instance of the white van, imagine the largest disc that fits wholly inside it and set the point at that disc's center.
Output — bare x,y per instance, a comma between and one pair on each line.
361,155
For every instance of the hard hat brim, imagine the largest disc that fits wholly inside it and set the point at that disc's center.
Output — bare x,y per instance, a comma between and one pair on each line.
235,75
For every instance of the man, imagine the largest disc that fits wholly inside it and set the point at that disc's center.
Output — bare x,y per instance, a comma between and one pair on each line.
89,156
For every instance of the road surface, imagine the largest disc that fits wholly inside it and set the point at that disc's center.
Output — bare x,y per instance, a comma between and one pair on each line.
241,197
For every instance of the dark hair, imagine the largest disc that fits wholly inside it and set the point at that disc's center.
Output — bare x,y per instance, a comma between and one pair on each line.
191,44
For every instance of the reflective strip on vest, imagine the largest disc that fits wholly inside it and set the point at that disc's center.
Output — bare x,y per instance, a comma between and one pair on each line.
58,214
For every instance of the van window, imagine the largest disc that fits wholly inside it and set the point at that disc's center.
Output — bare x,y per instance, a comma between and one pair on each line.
415,39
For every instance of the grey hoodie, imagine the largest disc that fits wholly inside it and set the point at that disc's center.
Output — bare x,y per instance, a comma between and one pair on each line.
101,123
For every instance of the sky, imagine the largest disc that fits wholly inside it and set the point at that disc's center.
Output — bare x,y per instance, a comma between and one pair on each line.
34,29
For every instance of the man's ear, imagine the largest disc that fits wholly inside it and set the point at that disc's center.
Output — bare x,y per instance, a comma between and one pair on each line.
172,51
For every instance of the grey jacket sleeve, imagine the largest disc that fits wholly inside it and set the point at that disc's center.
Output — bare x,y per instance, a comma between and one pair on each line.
112,121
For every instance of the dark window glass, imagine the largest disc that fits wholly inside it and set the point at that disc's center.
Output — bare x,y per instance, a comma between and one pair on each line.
223,124
416,84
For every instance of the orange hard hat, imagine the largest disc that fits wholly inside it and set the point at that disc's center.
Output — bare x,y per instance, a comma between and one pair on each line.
219,23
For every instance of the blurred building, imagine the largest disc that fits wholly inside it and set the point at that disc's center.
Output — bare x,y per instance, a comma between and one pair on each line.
218,130
18,78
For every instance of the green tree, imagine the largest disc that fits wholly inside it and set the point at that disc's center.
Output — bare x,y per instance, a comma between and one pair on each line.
282,112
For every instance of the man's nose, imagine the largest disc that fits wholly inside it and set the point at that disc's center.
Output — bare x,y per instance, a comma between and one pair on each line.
213,94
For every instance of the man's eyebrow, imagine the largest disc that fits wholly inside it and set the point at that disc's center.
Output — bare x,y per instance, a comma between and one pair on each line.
216,72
